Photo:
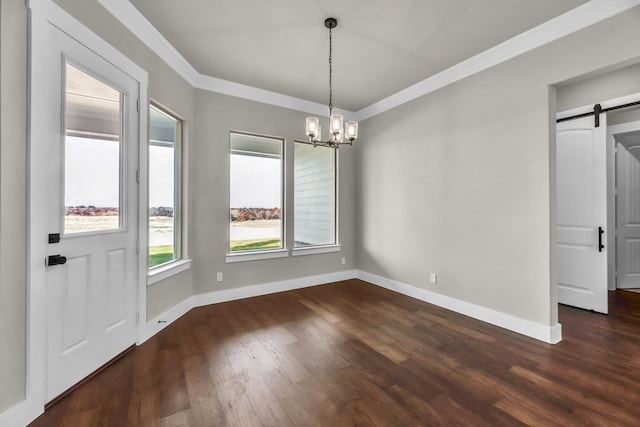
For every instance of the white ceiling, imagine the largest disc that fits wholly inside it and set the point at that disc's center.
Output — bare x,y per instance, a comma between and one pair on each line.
380,46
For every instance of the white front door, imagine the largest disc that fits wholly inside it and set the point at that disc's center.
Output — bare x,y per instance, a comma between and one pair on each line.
628,211
582,213
92,198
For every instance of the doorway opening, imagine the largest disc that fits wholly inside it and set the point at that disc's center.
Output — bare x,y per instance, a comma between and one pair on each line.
624,141
598,203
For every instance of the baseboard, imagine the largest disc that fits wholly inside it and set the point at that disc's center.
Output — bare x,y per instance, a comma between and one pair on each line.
548,334
271,288
165,319
168,317
21,414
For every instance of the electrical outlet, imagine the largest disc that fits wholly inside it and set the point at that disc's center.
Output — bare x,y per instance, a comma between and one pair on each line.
219,276
344,261
434,278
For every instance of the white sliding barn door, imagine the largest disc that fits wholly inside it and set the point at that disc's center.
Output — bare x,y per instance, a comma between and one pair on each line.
87,139
582,214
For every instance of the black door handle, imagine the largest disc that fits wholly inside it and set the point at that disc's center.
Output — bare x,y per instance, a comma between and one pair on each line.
56,260
600,233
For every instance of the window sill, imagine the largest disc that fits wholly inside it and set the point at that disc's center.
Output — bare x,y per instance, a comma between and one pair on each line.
255,256
316,250
164,272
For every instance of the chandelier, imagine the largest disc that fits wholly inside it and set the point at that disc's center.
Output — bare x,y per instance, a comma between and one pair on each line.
338,134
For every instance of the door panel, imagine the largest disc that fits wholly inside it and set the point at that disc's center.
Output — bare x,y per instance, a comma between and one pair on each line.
92,199
116,291
628,214
581,208
74,304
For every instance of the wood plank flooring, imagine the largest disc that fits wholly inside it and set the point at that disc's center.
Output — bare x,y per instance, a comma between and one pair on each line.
354,354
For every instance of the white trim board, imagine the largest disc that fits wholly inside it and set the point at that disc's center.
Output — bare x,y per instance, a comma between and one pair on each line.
574,20
548,334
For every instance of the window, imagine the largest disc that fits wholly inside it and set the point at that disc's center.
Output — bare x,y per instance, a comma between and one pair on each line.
256,193
314,196
164,187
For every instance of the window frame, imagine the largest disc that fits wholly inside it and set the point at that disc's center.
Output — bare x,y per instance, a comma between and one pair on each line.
259,254
179,262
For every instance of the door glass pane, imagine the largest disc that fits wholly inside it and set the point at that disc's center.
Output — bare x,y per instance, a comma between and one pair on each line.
93,128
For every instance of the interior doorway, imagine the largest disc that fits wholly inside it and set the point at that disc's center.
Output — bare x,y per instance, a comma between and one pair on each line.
624,139
596,169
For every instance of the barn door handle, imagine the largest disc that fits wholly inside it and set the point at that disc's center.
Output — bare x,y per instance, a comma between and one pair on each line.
600,233
56,260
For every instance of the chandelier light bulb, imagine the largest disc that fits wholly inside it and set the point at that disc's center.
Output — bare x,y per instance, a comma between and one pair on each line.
351,130
313,127
335,123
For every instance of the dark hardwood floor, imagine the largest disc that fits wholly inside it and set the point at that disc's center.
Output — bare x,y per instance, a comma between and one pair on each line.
351,353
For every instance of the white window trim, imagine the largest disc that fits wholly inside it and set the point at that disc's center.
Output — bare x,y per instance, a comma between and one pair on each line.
256,256
164,271
179,264
310,250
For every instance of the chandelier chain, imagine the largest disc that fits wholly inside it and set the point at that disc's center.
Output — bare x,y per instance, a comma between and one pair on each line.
330,72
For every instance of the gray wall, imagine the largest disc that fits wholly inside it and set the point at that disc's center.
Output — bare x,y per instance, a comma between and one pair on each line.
13,199
216,115
467,181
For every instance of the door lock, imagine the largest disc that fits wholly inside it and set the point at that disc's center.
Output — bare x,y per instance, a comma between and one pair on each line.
56,260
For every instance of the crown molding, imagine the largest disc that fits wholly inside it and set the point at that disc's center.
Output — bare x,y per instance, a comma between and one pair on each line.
574,20
135,22
226,87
